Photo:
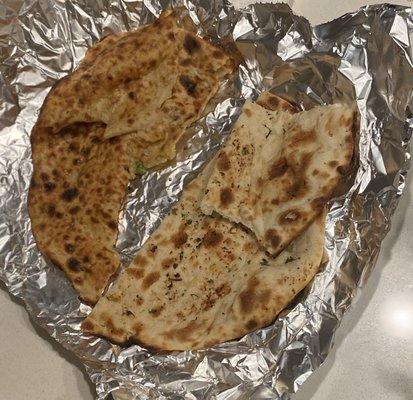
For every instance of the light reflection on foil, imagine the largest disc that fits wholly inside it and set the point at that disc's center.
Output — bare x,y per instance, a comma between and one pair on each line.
366,56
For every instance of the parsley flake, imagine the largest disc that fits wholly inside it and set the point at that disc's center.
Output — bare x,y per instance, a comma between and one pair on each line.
140,169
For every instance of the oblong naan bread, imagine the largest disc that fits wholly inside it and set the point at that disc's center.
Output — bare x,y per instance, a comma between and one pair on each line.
202,280
278,170
254,144
145,87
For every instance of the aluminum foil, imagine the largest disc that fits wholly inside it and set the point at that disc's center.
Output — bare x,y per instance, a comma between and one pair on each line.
365,56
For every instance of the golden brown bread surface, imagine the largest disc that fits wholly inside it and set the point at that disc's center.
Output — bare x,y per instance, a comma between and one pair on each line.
152,82
77,189
202,280
279,169
131,99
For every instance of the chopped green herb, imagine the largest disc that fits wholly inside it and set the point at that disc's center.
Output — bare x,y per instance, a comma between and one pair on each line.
152,310
181,255
290,248
189,222
264,262
140,168
183,215
289,259
245,151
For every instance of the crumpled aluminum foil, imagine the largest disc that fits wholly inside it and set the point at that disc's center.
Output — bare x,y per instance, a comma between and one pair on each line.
365,56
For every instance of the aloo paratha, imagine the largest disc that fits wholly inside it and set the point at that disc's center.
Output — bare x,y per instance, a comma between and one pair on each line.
130,100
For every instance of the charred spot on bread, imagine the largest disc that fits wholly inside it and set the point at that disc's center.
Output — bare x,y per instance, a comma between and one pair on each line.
188,84
212,238
70,194
191,44
226,197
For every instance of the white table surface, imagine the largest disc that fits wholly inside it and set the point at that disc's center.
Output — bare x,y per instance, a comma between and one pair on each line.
369,360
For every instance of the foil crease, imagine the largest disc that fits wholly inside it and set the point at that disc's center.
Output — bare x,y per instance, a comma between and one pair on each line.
366,56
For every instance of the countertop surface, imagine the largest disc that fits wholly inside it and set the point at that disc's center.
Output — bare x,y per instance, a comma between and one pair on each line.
373,353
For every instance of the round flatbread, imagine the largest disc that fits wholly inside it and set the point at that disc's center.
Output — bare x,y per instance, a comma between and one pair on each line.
129,102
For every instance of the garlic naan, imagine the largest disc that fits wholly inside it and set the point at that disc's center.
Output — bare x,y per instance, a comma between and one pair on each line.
278,170
202,280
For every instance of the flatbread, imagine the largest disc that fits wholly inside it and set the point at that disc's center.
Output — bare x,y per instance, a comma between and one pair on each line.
152,82
77,190
278,170
254,143
202,280
80,175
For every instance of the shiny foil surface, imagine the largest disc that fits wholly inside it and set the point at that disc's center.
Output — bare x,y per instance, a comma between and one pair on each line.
365,56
